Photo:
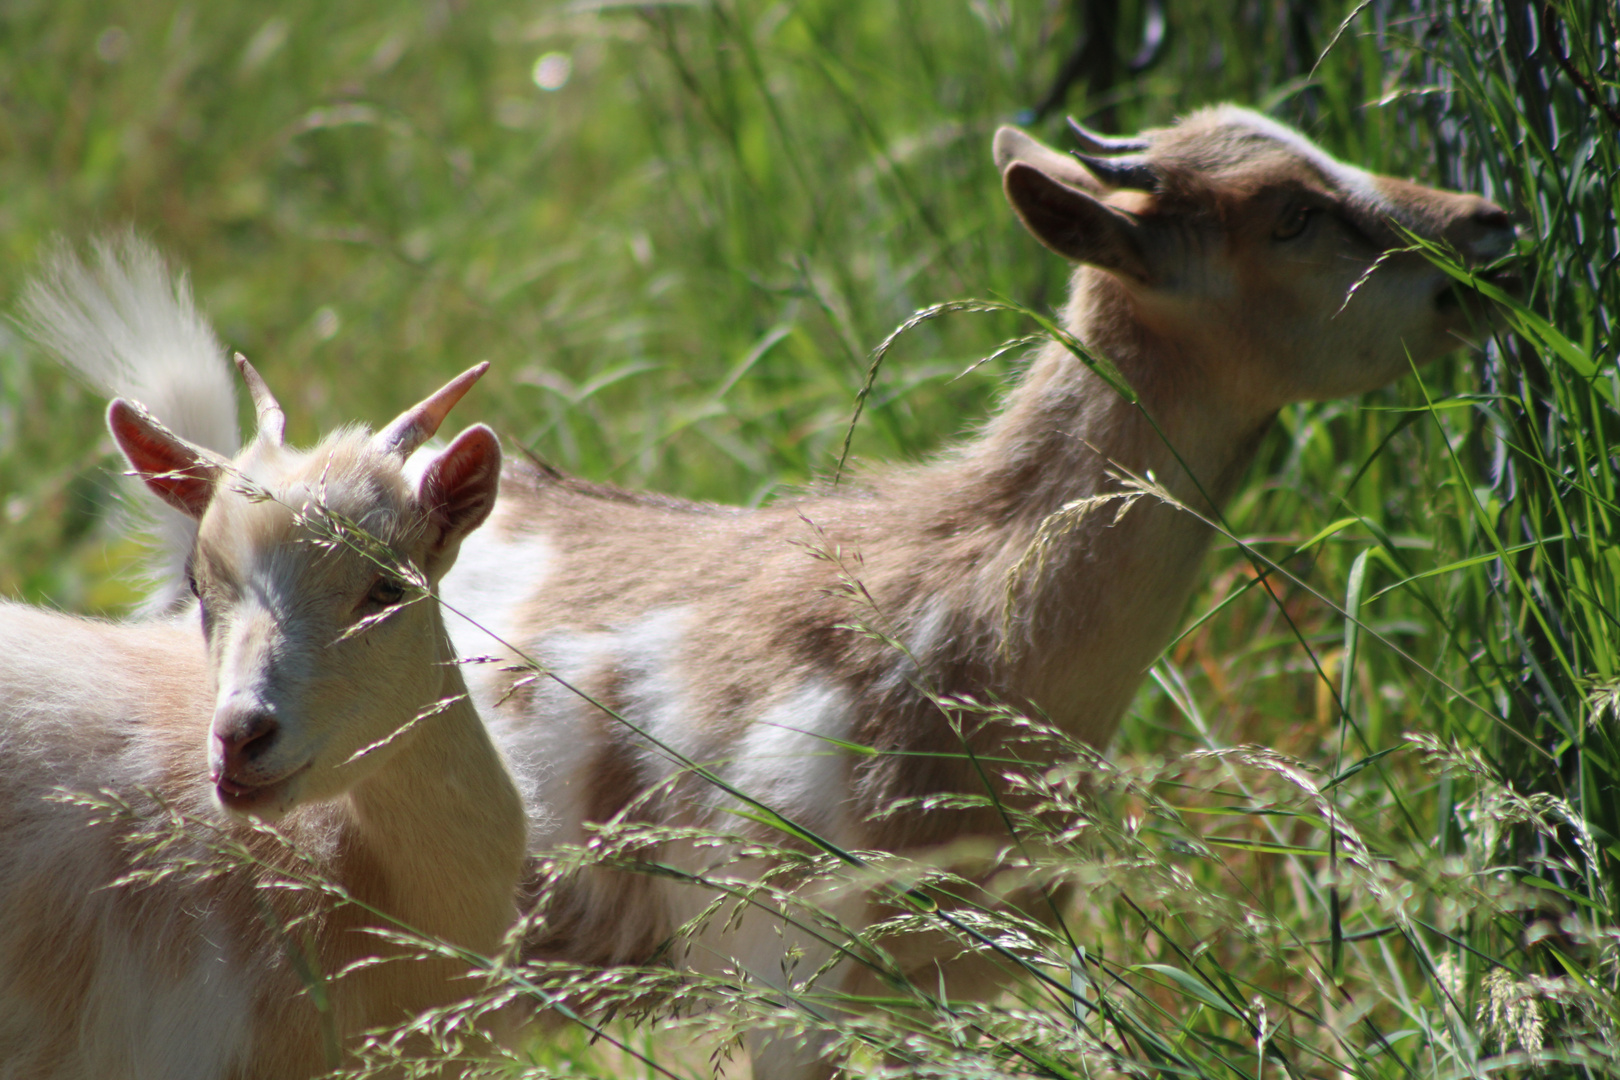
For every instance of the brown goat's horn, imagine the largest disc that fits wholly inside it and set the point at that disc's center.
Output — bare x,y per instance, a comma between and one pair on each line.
272,421
1124,172
417,424
1093,143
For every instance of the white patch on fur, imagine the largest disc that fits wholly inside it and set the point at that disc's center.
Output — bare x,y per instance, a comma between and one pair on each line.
785,761
497,572
928,627
246,655
553,747
655,694
547,743
924,636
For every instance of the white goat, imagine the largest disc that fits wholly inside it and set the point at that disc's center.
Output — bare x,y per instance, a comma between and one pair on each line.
322,694
1227,267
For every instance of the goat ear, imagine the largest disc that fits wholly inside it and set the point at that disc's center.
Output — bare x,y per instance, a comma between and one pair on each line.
458,487
177,472
1012,145
1074,224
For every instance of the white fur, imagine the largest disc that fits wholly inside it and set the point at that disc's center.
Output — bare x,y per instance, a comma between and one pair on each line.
144,1026
786,760
657,696
375,763
553,759
129,329
496,571
136,1020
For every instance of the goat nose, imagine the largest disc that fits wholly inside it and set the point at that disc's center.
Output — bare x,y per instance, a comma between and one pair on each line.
240,738
1493,217
1483,232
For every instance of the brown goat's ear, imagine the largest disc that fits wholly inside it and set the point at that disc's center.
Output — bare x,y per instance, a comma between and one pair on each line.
1012,145
459,485
180,474
1074,224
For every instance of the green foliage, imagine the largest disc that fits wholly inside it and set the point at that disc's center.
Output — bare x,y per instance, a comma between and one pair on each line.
680,261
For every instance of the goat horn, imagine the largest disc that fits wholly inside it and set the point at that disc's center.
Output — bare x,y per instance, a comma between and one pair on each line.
272,421
1093,143
1125,172
417,424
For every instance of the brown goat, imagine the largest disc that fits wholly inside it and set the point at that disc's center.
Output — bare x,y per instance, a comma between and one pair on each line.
1227,267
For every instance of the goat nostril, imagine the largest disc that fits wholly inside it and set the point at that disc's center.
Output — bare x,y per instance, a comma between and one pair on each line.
1492,216
260,740
247,740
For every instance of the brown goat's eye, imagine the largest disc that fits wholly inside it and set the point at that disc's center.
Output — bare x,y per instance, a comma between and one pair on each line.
1294,223
386,592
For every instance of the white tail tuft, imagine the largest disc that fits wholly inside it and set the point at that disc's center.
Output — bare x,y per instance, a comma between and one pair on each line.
129,329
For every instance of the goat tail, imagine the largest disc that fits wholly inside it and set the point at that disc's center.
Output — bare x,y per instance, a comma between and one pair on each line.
125,325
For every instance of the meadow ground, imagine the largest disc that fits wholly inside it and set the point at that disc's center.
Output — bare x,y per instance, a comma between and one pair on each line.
679,229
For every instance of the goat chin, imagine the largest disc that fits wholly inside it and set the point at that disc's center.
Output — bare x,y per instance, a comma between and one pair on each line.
1229,267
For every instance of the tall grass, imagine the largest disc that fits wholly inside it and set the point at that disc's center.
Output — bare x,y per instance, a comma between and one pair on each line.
679,261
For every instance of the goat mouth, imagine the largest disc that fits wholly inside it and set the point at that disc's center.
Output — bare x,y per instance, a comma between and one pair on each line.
241,798
1456,295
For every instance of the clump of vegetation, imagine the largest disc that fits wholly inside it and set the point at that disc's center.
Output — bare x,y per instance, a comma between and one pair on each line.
1365,817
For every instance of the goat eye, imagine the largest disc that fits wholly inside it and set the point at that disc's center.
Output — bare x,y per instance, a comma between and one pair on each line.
1294,223
386,592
